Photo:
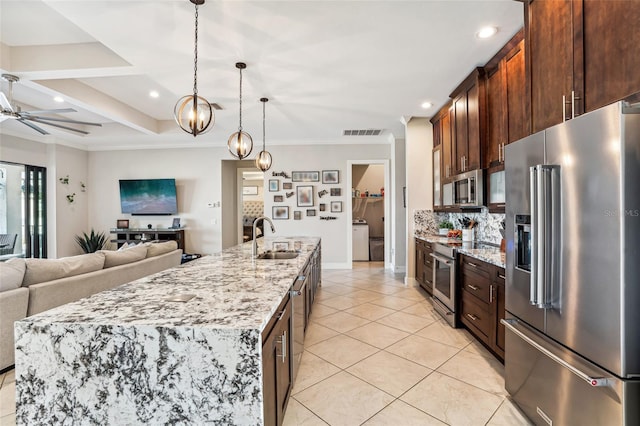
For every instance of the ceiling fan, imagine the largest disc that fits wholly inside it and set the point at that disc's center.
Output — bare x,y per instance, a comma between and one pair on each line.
29,118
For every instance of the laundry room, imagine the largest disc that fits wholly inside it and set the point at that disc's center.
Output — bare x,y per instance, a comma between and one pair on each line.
368,212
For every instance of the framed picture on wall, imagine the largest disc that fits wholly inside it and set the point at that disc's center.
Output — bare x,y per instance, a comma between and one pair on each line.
311,212
330,176
274,185
305,176
278,198
249,190
122,224
304,196
280,212
287,185
336,206
297,215
336,192
323,207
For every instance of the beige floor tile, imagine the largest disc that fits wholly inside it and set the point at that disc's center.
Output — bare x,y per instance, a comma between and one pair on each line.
477,348
509,415
452,401
344,400
340,302
412,294
485,373
401,413
389,372
370,311
10,376
424,309
2,378
297,415
338,290
8,399
9,420
405,322
423,351
321,296
342,351
364,295
385,289
312,370
319,310
317,333
396,303
342,321
377,335
442,332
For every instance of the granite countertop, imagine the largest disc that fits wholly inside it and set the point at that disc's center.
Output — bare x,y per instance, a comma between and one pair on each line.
486,252
232,291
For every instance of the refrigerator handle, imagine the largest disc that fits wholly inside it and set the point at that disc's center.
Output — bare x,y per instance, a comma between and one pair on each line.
533,276
511,325
548,234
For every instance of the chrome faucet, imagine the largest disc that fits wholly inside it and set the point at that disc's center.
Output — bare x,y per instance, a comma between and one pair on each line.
254,244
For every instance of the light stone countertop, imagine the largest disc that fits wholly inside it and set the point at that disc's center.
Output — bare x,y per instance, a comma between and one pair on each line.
487,253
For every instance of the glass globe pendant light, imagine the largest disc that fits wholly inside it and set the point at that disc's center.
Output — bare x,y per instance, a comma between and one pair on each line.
193,113
263,160
240,143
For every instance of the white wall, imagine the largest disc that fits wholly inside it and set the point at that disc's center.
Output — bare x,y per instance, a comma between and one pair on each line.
419,145
398,249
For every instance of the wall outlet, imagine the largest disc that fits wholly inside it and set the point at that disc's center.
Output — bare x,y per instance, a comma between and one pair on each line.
210,205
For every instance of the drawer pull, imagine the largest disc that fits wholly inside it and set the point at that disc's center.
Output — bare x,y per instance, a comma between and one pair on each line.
472,317
491,293
501,276
472,264
473,287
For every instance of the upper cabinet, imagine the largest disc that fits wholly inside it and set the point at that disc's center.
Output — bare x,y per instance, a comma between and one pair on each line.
581,55
469,122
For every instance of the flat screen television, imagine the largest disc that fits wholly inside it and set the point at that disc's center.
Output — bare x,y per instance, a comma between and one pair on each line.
148,196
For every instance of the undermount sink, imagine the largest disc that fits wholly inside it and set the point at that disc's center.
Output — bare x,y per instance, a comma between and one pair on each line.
278,255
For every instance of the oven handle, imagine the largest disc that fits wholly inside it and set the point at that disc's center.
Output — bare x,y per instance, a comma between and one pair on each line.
441,259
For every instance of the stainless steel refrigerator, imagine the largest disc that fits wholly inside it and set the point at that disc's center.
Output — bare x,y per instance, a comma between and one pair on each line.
573,270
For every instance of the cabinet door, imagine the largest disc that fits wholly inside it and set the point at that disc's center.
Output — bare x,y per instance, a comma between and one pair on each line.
269,388
419,262
460,133
515,96
437,177
496,116
476,125
499,298
282,350
447,148
550,52
611,51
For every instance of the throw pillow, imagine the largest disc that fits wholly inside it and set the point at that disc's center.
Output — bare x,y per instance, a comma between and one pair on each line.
11,274
130,255
156,249
42,270
124,246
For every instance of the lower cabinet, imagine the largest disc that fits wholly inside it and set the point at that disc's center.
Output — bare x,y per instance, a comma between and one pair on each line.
482,302
276,364
424,265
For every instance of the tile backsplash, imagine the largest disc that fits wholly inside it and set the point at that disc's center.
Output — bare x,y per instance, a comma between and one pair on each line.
487,230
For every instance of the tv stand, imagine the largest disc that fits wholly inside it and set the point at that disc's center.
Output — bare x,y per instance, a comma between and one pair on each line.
141,235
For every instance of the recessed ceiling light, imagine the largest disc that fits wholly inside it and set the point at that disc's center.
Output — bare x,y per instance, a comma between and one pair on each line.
427,105
154,94
486,32
59,99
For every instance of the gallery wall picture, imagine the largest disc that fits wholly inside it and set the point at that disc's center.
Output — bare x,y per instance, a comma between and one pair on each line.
287,185
305,176
304,196
278,198
311,212
274,185
297,215
280,212
330,176
323,207
336,192
336,206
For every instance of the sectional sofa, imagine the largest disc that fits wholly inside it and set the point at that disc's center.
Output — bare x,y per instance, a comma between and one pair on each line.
31,286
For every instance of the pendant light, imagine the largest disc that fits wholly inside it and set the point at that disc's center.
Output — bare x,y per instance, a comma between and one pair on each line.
240,143
263,160
193,113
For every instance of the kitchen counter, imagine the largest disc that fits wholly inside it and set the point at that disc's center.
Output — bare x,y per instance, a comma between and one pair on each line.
130,356
481,251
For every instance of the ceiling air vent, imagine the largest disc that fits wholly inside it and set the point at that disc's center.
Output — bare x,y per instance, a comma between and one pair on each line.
367,132
216,106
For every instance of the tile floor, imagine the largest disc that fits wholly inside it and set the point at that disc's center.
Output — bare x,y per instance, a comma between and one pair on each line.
376,353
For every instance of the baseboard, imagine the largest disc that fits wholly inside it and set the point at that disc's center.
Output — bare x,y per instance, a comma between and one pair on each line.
336,266
410,281
400,269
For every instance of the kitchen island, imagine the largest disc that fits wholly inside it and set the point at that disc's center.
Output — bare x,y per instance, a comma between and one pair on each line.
134,355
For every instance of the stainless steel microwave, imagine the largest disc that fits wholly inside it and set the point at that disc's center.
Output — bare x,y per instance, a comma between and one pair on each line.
467,188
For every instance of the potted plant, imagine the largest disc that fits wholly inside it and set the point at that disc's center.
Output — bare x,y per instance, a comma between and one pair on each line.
445,226
93,242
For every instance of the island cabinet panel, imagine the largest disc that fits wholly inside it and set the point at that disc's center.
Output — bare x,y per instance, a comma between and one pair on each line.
482,302
276,364
581,55
424,265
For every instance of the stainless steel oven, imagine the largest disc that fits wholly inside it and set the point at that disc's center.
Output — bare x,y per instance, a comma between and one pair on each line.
444,282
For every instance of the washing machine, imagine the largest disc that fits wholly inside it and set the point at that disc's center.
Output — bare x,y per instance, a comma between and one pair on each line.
360,240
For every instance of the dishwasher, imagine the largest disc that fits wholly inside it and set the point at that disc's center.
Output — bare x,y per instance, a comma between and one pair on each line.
297,322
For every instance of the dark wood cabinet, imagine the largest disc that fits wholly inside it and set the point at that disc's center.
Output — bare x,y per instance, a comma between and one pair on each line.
276,364
581,55
424,265
138,235
482,302
469,122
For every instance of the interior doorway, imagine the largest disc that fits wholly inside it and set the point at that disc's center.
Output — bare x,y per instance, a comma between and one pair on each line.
370,232
250,202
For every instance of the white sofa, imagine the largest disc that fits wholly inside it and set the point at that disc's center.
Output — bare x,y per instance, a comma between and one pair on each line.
31,286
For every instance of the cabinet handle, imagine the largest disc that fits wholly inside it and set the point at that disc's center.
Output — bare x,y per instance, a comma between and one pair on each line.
491,293
472,317
573,103
500,153
472,264
472,287
281,315
283,347
501,276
